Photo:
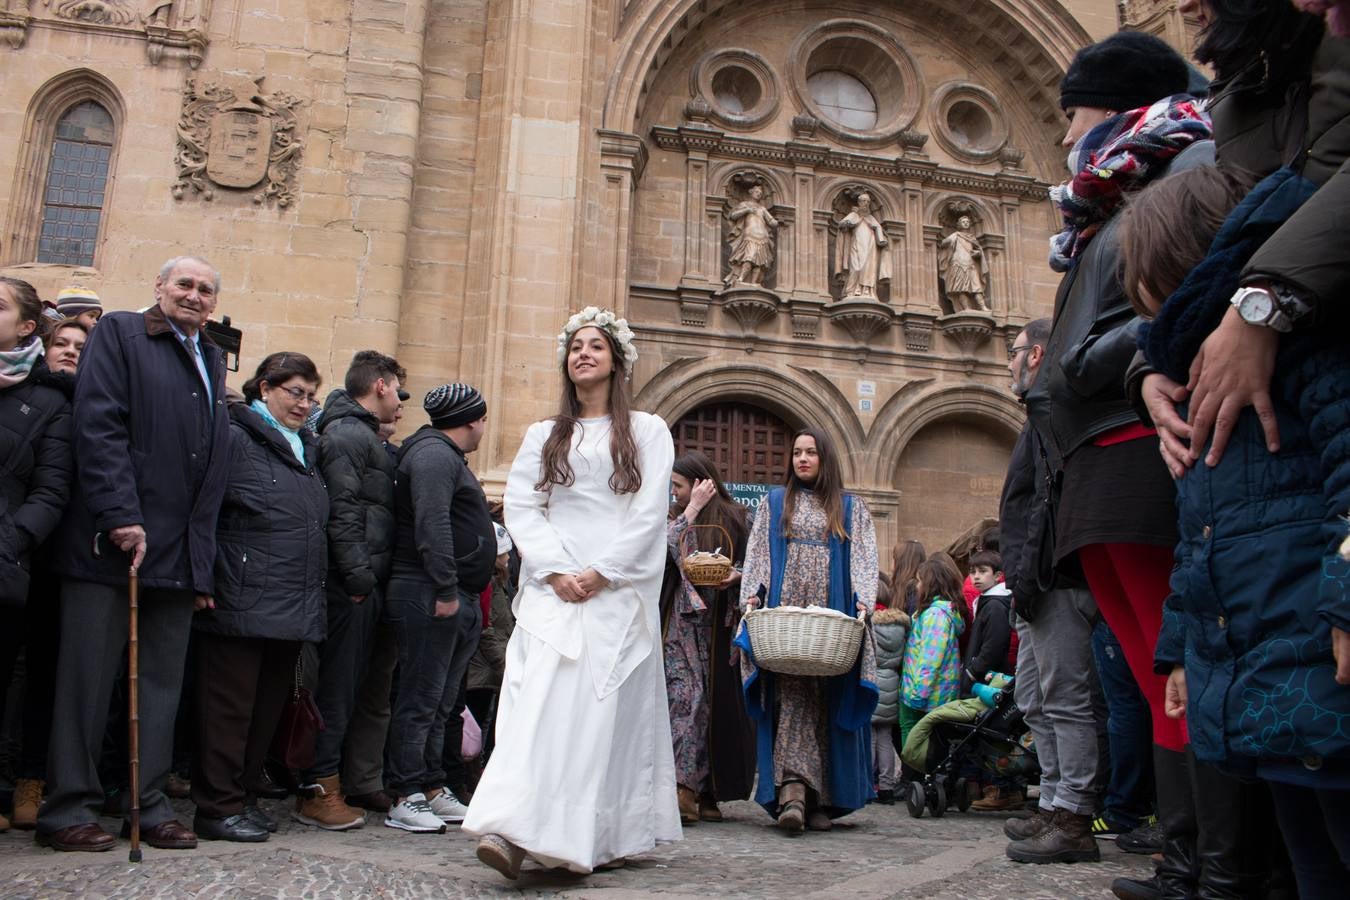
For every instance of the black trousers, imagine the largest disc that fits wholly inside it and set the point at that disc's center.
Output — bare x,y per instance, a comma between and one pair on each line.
429,651
343,658
37,631
242,686
1316,826
94,626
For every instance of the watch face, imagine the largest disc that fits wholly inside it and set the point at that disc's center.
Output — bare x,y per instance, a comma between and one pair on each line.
1256,306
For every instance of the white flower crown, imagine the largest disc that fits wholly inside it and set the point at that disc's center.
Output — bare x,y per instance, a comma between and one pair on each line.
606,321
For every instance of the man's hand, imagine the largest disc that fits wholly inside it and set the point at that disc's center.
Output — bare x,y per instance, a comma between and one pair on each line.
568,588
1161,395
1340,651
1231,372
203,601
446,608
130,539
359,598
1174,695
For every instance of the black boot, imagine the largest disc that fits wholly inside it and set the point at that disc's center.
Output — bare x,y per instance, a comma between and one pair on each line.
1235,836
1176,875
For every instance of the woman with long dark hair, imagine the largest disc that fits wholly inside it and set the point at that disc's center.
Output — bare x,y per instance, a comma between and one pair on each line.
582,775
812,544
905,560
713,740
271,561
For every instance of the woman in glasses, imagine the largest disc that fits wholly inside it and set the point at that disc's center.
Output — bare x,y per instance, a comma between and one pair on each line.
271,556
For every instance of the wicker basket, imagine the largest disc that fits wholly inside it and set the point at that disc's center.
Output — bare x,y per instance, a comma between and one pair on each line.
794,640
704,569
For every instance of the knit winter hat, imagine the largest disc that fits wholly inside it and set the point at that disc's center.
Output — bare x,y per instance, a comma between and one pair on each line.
75,300
452,405
1128,70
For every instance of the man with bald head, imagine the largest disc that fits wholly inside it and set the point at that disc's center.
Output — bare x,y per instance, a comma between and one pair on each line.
150,436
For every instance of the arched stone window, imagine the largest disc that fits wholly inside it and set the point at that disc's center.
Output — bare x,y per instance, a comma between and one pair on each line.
76,185
64,178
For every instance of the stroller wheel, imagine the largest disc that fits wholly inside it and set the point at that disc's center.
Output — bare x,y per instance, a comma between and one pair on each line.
939,807
963,798
914,799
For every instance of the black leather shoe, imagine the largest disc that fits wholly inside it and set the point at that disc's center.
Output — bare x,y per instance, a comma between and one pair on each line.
229,828
255,815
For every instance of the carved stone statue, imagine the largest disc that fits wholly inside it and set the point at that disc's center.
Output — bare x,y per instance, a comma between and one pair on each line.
962,267
860,260
751,239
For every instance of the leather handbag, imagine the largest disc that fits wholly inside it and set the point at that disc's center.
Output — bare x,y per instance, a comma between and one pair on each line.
293,743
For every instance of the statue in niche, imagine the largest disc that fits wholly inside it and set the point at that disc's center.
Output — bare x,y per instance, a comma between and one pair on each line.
860,260
962,266
751,239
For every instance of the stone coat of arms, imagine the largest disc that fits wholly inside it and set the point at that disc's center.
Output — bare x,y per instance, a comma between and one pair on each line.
231,135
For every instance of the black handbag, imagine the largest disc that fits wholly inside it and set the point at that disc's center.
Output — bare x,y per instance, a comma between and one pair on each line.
293,743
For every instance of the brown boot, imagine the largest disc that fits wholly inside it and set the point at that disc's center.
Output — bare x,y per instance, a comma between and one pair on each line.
1068,839
817,820
1021,829
792,807
707,809
688,805
996,799
27,799
326,809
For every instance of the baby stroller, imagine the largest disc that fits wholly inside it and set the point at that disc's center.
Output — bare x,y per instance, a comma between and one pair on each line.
986,731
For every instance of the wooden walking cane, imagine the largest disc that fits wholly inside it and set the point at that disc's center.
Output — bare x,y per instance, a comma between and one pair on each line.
134,711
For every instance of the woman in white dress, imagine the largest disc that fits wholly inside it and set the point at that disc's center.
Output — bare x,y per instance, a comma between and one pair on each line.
583,775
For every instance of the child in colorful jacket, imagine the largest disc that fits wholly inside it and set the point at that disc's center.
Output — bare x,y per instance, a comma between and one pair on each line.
931,673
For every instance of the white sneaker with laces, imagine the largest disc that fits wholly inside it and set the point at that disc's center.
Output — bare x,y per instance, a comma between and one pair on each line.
447,807
414,814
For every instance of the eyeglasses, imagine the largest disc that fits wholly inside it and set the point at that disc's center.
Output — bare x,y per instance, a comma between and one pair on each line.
1012,354
300,395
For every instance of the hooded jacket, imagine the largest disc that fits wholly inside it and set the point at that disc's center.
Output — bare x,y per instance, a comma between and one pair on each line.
444,530
989,637
932,668
271,545
359,472
889,629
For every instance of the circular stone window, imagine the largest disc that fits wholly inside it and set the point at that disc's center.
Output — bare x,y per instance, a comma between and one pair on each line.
857,80
739,86
844,99
970,122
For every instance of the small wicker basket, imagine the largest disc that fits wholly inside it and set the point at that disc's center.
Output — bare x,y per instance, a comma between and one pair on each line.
795,640
704,569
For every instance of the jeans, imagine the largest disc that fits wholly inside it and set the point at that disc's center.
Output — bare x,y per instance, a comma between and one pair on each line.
342,667
427,649
1129,732
1316,826
1071,710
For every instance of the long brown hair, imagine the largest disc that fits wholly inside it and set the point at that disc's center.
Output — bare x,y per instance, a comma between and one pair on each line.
556,468
722,509
939,579
30,307
828,486
905,559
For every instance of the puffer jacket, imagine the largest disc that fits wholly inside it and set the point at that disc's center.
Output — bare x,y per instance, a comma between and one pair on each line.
1245,614
931,673
271,544
889,629
359,471
36,462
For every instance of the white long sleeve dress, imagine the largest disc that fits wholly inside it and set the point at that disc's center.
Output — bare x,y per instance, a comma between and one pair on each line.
583,771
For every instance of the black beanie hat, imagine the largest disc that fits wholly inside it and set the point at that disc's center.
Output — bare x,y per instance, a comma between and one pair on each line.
452,405
1128,70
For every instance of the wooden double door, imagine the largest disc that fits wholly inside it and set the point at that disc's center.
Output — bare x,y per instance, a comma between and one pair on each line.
746,443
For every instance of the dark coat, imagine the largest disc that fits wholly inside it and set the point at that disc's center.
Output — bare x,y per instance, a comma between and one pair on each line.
271,543
444,531
359,472
989,638
151,448
35,458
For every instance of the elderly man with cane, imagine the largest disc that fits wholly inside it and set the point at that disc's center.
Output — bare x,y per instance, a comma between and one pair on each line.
150,435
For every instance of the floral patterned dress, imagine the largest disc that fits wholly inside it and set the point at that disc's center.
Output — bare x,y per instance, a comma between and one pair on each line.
801,740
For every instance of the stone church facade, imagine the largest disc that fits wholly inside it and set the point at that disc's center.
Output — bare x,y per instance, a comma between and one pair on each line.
446,179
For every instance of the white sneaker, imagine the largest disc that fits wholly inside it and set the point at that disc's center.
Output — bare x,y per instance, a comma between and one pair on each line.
414,814
446,806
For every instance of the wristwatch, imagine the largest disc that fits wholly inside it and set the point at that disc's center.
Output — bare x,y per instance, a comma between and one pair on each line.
1258,306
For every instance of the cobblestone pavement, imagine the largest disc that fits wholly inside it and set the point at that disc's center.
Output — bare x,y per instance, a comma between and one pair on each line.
877,852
